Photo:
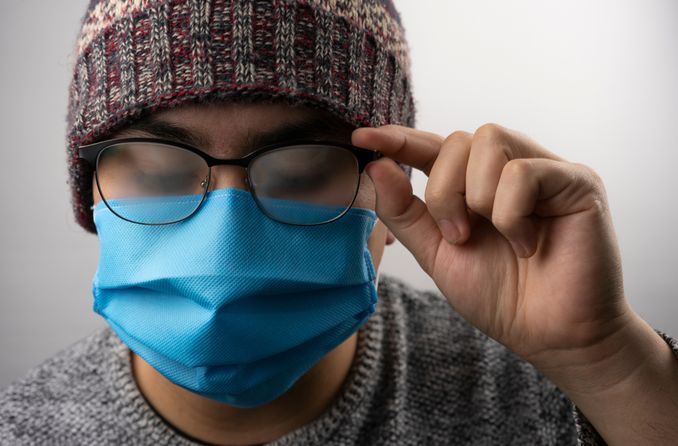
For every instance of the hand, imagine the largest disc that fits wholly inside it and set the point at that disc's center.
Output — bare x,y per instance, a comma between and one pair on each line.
519,240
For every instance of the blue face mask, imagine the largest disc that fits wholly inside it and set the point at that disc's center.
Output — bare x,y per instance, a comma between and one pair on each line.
230,304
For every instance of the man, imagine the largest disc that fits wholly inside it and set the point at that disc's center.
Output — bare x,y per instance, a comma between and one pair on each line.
215,150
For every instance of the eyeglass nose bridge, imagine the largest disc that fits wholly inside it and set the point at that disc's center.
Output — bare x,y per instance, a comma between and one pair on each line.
224,176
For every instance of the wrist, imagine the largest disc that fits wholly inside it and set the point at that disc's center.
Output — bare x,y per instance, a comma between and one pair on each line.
629,394
629,354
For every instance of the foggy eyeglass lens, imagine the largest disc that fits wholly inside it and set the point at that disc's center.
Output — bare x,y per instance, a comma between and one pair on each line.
307,184
132,175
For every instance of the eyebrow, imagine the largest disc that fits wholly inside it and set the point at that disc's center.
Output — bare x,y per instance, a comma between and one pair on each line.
313,127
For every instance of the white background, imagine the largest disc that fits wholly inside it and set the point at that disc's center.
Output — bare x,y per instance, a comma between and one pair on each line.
594,81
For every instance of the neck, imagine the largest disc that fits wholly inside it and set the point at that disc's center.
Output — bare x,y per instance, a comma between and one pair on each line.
221,424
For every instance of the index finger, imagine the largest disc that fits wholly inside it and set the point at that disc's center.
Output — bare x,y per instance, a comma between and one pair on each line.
406,145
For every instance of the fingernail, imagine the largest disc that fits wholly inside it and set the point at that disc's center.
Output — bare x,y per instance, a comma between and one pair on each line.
449,230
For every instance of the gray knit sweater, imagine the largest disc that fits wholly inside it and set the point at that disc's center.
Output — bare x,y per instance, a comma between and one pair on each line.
422,376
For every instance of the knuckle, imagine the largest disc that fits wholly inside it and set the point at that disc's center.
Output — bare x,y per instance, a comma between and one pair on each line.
492,138
517,168
490,131
592,179
502,220
457,137
434,196
479,203
590,173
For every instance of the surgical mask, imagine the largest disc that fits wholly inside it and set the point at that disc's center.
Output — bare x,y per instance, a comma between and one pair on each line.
229,303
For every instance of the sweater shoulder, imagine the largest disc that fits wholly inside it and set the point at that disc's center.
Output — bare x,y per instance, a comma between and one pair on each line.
59,396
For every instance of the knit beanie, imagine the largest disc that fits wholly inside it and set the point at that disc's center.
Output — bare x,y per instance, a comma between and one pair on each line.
348,57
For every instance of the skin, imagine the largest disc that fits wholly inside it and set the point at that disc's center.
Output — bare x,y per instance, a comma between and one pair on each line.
212,421
519,241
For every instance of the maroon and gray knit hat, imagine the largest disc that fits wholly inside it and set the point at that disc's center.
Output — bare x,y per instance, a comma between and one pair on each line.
348,57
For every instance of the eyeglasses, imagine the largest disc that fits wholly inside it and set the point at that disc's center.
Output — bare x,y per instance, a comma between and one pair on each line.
154,181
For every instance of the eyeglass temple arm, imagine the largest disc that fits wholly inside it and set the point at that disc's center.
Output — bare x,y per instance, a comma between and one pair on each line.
90,152
367,156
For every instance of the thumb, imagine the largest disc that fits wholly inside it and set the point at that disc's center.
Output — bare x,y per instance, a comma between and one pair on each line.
403,213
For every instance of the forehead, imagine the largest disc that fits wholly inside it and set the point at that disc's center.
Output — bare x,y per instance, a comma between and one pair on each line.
230,128
228,122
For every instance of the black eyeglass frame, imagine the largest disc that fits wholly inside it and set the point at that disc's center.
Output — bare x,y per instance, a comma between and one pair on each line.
92,152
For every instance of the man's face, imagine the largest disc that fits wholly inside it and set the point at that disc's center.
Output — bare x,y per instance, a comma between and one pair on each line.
233,130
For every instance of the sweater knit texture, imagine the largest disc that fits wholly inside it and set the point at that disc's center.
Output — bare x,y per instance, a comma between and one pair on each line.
422,375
